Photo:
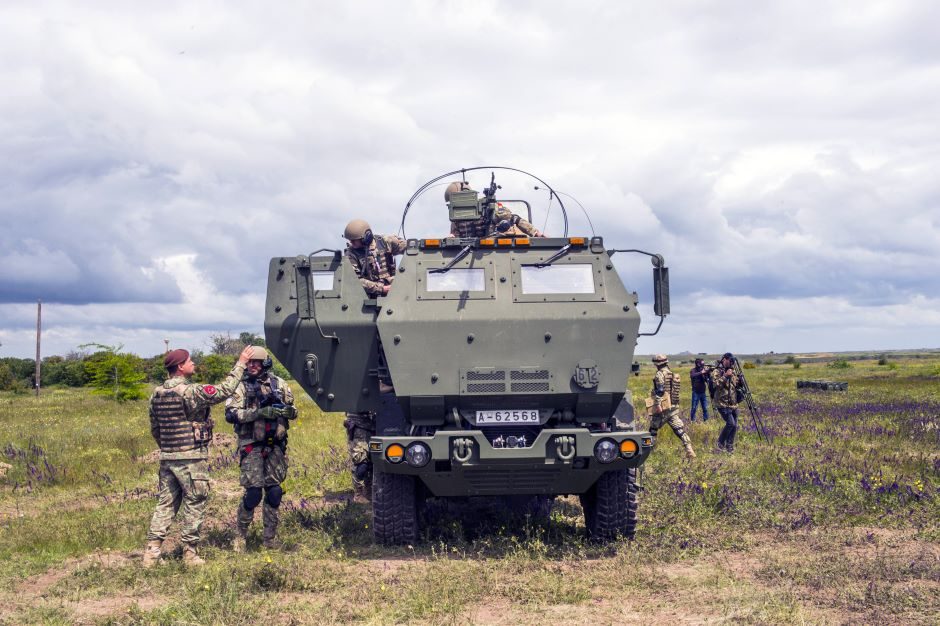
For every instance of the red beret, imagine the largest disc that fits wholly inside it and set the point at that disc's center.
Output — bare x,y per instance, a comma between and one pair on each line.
175,357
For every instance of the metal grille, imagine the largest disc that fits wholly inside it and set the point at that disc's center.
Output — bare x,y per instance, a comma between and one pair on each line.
486,387
494,375
536,375
492,482
529,387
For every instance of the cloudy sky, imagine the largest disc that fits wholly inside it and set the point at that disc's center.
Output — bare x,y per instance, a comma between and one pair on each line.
783,157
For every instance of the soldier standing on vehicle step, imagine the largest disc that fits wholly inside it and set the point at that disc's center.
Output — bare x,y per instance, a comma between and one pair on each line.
373,258
725,382
181,426
259,410
664,405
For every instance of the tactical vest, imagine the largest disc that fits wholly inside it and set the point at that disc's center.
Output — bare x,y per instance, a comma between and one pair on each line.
175,427
377,265
254,394
672,387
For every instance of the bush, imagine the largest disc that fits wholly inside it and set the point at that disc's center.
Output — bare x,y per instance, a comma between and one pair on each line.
883,360
748,365
796,364
116,374
839,364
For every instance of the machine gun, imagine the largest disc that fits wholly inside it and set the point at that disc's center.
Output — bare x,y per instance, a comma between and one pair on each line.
743,393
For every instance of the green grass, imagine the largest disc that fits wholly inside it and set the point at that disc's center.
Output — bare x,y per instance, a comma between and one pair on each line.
836,521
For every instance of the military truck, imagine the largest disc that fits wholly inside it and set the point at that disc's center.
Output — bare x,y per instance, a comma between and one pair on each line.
509,357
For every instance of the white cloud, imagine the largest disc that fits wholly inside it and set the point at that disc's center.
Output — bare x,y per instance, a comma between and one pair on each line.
785,152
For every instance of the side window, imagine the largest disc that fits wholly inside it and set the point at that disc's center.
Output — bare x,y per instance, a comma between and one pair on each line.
574,278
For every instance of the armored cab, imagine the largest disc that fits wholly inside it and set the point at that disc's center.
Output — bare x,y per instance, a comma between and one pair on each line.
509,358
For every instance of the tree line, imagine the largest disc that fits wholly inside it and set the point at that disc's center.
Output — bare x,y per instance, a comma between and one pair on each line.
122,375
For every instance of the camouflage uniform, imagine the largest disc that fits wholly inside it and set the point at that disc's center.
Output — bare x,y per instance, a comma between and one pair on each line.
726,402
180,423
483,227
375,267
375,264
665,382
262,447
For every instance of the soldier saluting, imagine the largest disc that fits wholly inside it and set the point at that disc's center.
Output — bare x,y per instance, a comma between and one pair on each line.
181,426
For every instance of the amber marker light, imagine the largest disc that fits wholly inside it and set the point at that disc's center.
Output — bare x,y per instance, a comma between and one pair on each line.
504,242
432,243
522,241
488,242
628,447
577,241
394,453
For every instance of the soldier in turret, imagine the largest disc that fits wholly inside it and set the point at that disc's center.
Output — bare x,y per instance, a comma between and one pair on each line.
725,382
181,426
259,410
665,403
373,258
486,225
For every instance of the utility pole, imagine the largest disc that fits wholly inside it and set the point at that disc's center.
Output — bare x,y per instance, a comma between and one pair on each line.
166,342
38,338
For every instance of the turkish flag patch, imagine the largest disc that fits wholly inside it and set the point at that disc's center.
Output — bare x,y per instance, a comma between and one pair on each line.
209,389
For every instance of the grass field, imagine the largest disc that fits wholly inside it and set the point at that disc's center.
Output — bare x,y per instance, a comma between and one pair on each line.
838,521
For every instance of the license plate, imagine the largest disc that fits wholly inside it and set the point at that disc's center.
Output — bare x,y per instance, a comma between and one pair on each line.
508,416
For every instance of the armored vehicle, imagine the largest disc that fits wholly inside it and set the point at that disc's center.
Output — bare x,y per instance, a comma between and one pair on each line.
509,357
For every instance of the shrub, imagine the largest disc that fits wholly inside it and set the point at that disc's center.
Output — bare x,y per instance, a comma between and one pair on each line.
748,365
839,364
796,364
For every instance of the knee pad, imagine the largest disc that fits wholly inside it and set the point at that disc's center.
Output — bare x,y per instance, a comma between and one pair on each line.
362,471
273,495
252,498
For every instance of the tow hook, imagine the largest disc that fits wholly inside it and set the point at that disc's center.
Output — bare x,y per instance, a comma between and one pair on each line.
463,449
565,447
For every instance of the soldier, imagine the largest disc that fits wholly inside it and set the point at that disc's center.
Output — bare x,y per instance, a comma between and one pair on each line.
259,410
665,403
486,226
181,426
699,378
373,258
726,382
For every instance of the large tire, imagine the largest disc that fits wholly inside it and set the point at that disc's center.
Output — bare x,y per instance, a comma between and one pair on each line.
394,508
610,506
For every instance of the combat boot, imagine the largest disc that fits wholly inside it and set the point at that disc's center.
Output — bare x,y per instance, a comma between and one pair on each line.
190,557
152,553
240,542
269,536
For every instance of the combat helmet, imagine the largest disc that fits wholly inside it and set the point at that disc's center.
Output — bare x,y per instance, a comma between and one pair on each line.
660,359
455,187
358,229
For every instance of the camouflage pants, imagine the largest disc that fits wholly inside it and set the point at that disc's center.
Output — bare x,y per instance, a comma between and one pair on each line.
360,427
262,467
671,417
184,487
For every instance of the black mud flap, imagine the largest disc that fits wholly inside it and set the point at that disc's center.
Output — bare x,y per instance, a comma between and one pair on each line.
390,420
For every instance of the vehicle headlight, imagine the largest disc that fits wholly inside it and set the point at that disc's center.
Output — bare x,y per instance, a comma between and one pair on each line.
417,455
605,451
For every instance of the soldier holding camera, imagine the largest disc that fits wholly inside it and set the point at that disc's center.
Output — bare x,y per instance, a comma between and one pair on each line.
725,381
260,410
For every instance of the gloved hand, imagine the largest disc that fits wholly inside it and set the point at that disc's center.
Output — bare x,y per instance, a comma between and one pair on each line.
267,413
285,412
280,432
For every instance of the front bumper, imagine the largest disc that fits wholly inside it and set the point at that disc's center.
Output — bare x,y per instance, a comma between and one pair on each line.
464,463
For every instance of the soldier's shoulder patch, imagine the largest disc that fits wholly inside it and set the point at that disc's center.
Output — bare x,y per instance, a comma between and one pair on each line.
209,389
